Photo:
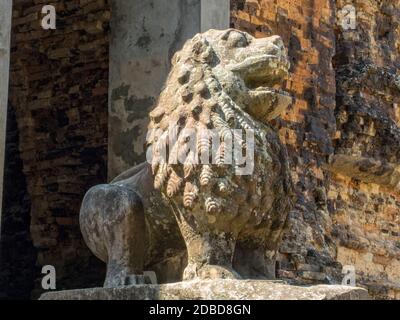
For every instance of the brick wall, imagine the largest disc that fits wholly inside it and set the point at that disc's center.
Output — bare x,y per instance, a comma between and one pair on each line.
308,251
58,88
367,219
347,94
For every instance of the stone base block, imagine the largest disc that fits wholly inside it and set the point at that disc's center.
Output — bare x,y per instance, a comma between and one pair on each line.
215,290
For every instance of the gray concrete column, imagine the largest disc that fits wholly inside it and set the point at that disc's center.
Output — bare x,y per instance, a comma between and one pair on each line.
144,37
215,14
5,31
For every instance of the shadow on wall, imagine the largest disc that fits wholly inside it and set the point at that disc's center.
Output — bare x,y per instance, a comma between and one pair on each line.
17,254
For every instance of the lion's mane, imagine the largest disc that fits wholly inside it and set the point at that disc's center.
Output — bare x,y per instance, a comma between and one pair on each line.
194,98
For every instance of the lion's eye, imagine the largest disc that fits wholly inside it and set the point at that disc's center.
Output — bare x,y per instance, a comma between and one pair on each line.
237,40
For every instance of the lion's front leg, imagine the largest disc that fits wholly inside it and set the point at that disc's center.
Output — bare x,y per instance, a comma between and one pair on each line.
210,254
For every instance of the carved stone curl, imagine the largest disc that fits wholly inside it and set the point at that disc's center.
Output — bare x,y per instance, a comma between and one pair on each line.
229,225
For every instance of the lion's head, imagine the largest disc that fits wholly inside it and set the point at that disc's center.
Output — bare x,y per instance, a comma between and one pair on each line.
221,80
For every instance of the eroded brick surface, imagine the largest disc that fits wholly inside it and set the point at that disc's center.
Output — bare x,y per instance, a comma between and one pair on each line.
58,88
347,92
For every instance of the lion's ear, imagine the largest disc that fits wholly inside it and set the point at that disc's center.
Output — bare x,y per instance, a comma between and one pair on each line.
203,51
225,35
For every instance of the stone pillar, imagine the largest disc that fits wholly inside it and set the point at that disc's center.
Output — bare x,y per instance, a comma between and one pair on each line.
5,30
144,37
215,14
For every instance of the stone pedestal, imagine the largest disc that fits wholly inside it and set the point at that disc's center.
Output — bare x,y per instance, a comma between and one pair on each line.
144,37
215,290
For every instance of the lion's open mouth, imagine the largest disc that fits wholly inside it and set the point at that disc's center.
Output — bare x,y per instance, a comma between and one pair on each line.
261,73
262,70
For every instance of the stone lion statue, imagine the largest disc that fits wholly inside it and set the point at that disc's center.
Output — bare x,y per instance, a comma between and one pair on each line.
216,189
